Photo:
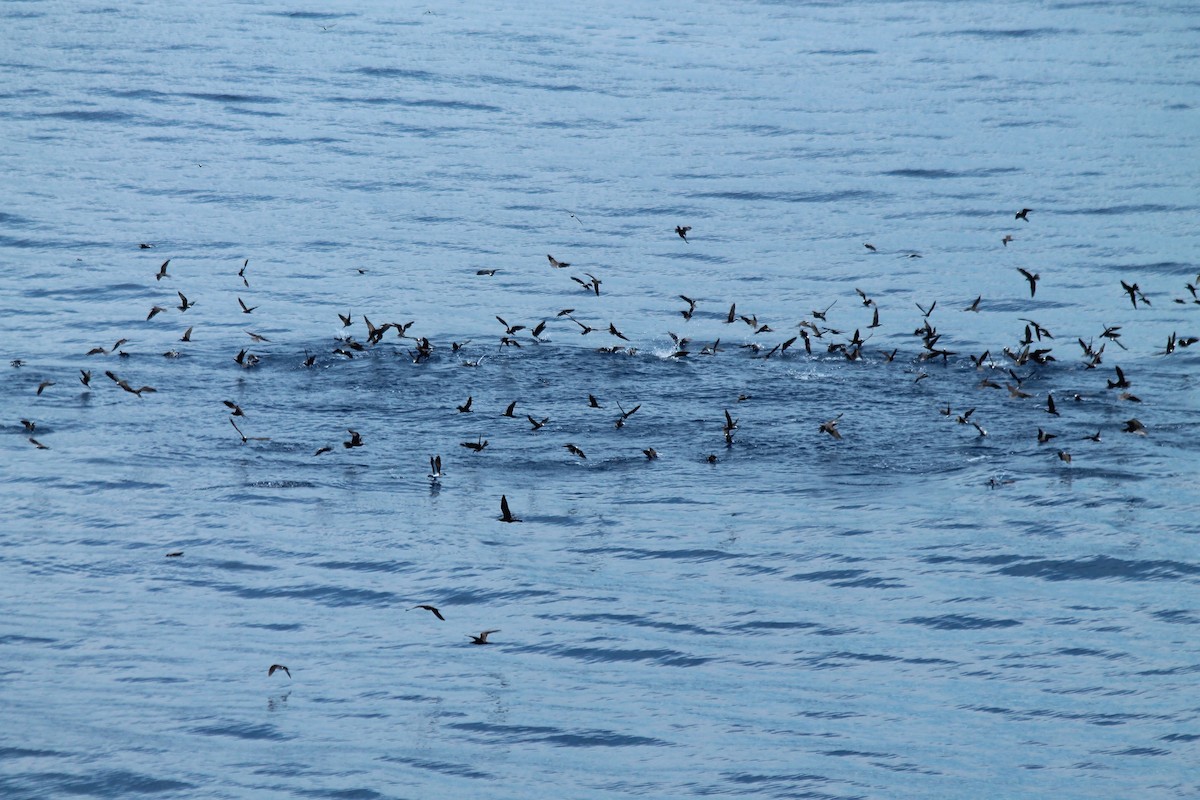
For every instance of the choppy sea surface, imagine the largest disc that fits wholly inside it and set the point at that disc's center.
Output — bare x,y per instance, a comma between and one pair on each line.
935,604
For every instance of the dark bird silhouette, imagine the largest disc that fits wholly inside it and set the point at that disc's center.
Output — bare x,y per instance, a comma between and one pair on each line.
505,515
536,333
475,446
37,444
1044,437
926,312
245,309
162,271
145,246
236,409
154,312
184,305
483,637
586,328
256,337
1024,214
1134,426
974,305
347,320
869,246
485,272
242,273
246,438
355,439
575,451
732,314
1050,407
187,335
309,360
43,386
537,425
682,230
508,412
465,407
831,428
1007,238
593,402
1033,279
650,453
1120,382
554,262
435,466
175,554
271,670
85,377
323,449
1064,456
509,330
433,610
613,330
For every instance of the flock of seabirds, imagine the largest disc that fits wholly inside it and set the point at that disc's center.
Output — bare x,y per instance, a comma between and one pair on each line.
814,333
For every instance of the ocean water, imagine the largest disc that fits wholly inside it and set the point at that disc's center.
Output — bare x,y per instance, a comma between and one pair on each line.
921,608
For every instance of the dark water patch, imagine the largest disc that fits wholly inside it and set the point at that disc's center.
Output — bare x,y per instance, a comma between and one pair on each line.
25,752
16,638
843,52
960,622
242,566
828,575
612,655
243,731
480,597
252,99
90,116
768,625
136,94
1140,751
395,72
1005,33
846,195
700,555
314,15
1173,268
368,566
1188,670
444,767
1180,737
1180,617
1097,718
152,679
343,794
332,596
636,620
870,583
940,174
1107,211
1085,651
1101,568
106,783
519,734
14,220
274,626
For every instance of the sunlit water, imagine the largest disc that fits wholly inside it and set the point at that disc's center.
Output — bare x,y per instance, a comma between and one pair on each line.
914,610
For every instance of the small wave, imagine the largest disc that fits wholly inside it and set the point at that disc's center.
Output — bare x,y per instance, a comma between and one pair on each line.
961,622
243,731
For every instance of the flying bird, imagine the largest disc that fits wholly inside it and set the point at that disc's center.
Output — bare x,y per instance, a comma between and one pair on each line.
433,610
355,439
682,230
554,262
575,451
505,516
1024,214
245,309
162,271
1033,279
271,670
483,637
830,427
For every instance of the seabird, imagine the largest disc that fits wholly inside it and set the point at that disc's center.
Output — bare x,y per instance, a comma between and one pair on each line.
273,667
162,271
1024,214
435,612
505,515
1033,279
483,637
682,230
